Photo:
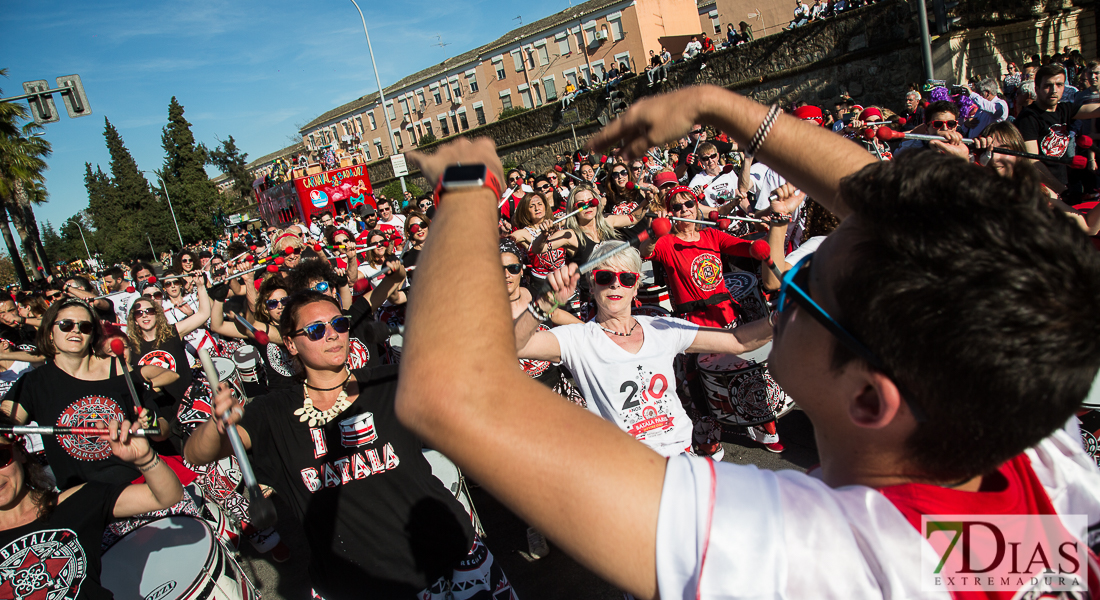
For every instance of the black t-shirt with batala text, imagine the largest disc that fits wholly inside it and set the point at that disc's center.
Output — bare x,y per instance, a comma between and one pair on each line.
377,521
58,556
170,354
53,397
1050,129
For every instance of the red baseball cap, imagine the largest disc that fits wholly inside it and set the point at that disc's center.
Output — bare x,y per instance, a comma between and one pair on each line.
665,177
809,113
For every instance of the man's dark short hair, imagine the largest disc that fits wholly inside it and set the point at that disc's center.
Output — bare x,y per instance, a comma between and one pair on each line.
115,272
980,301
941,106
81,282
1047,71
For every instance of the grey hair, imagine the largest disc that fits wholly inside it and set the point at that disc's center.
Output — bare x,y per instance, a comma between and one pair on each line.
912,93
988,85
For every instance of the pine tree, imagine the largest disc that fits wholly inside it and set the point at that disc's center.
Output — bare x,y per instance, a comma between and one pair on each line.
141,214
105,214
231,161
55,250
195,198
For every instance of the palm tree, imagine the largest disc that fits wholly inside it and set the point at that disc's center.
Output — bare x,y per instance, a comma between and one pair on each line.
22,163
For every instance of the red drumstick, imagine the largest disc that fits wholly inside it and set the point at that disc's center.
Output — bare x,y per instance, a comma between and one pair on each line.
47,430
261,337
760,250
118,347
886,134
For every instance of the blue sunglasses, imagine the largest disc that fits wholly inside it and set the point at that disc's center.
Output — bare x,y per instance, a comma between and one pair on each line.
793,289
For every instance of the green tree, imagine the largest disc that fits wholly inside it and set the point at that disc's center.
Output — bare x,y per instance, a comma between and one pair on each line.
231,161
55,250
74,232
22,168
195,198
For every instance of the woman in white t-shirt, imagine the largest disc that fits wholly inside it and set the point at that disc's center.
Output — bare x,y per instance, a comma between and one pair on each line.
623,363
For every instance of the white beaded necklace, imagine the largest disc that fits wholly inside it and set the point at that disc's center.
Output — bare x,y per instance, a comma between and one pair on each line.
316,417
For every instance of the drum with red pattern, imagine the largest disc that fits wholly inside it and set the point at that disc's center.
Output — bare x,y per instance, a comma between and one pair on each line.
1090,432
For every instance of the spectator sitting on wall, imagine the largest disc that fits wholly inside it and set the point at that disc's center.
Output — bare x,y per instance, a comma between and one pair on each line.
801,15
817,11
746,32
624,70
693,48
732,37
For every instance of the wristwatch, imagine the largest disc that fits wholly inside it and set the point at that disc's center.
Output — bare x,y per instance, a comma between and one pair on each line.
465,177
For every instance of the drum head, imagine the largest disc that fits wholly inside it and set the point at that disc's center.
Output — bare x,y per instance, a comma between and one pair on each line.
225,367
444,470
1090,433
165,559
740,283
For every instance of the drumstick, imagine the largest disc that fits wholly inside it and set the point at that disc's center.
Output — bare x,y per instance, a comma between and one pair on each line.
118,347
760,250
260,508
261,337
595,261
47,430
593,203
564,172
886,134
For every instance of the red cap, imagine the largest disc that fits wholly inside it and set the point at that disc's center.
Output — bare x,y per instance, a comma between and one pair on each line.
665,177
809,113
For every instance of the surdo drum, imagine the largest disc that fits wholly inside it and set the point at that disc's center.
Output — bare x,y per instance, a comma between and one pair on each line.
447,472
174,558
247,360
227,372
745,289
740,390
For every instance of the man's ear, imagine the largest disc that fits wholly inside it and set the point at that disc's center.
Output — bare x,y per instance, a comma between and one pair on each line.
878,404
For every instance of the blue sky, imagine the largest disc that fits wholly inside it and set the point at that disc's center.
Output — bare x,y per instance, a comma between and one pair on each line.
253,70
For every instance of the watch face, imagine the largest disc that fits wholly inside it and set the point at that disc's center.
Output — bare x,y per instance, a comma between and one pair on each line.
464,174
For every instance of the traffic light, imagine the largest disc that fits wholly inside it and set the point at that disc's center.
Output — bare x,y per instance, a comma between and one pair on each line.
76,101
618,101
42,107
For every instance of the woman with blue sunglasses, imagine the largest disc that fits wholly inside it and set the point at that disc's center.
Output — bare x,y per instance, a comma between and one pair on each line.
377,522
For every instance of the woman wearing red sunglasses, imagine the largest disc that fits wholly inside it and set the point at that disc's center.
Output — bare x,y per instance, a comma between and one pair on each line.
51,540
622,363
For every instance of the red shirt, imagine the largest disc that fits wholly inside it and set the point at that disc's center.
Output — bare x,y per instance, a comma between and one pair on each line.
1019,492
693,271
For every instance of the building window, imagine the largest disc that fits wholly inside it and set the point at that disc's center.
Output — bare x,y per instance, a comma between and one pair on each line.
456,89
506,101
589,34
479,112
525,96
551,91
499,66
443,126
397,141
389,111
404,106
419,131
544,55
420,97
435,95
538,94
530,57
563,45
378,148
462,118
517,58
370,121
597,68
428,128
359,123
471,82
571,77
366,152
616,29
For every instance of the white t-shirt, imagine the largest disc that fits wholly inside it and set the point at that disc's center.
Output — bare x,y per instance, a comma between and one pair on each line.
807,248
197,339
765,181
718,188
635,391
397,221
692,49
122,301
786,534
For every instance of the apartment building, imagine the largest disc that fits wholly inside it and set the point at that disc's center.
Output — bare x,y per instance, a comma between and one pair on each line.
527,67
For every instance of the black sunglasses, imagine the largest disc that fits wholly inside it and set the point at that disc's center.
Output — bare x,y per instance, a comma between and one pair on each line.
66,325
316,331
619,173
273,304
710,156
676,207
156,296
514,268
604,277
141,312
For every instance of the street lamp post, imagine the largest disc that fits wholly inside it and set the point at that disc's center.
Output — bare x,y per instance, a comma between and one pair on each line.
80,228
164,187
381,95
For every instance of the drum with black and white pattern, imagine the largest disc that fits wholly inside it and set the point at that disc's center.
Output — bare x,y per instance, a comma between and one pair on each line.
740,390
744,287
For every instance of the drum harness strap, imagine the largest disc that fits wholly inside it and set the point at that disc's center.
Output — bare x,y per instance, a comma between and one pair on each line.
695,305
